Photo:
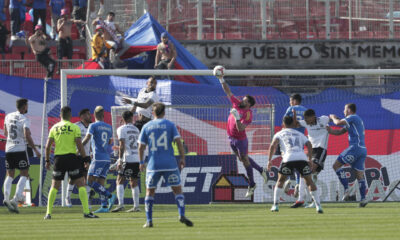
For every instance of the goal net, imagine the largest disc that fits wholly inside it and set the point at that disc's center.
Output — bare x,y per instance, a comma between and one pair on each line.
213,174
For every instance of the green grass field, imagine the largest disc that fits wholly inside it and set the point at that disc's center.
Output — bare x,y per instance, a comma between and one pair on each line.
217,221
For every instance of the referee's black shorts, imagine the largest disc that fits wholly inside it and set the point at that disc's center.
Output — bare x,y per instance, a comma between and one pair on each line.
67,163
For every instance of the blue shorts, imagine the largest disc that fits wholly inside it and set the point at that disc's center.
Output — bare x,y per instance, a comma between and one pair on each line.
171,178
99,168
355,156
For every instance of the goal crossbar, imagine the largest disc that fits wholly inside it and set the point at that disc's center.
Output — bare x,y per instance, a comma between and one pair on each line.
236,72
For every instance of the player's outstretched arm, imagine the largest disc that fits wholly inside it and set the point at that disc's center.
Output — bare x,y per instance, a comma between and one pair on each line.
225,86
336,120
272,149
146,104
181,152
336,132
126,100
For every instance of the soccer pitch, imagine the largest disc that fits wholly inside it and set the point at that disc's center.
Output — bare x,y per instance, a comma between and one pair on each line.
217,221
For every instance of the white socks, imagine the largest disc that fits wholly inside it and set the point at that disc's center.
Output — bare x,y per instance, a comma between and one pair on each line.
135,196
88,188
7,188
302,190
120,194
70,188
315,196
20,188
277,194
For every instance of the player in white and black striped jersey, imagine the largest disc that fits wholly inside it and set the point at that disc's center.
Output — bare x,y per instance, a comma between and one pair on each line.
83,124
318,136
143,103
128,162
292,144
18,134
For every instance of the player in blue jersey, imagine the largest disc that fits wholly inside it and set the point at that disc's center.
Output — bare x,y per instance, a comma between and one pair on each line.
355,154
159,134
100,134
295,101
295,104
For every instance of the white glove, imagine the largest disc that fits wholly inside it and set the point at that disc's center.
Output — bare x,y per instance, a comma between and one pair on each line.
235,114
221,80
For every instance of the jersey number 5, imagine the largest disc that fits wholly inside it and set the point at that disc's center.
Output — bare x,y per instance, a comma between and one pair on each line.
160,142
13,132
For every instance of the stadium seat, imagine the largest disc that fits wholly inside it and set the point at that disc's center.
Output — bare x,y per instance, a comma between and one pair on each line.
179,35
365,35
252,36
273,36
311,35
208,12
226,12
210,36
192,36
299,12
30,56
344,35
233,36
381,35
289,35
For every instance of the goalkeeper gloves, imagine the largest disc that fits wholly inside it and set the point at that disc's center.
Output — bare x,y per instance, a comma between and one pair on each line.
235,114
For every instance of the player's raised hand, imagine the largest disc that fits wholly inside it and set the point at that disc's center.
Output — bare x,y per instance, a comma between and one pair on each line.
126,100
332,116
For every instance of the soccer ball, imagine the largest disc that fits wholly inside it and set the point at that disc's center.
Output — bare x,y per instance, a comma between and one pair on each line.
219,71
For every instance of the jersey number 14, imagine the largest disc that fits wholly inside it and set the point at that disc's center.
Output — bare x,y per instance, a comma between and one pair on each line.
160,142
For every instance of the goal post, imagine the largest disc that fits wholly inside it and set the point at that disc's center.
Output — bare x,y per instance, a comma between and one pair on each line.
209,174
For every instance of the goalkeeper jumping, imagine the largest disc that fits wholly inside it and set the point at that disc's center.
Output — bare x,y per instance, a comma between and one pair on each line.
240,117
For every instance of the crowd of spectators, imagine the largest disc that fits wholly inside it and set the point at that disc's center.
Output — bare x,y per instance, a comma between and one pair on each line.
107,42
19,18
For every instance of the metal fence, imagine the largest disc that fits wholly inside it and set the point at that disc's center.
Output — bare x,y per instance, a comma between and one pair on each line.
268,19
33,69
